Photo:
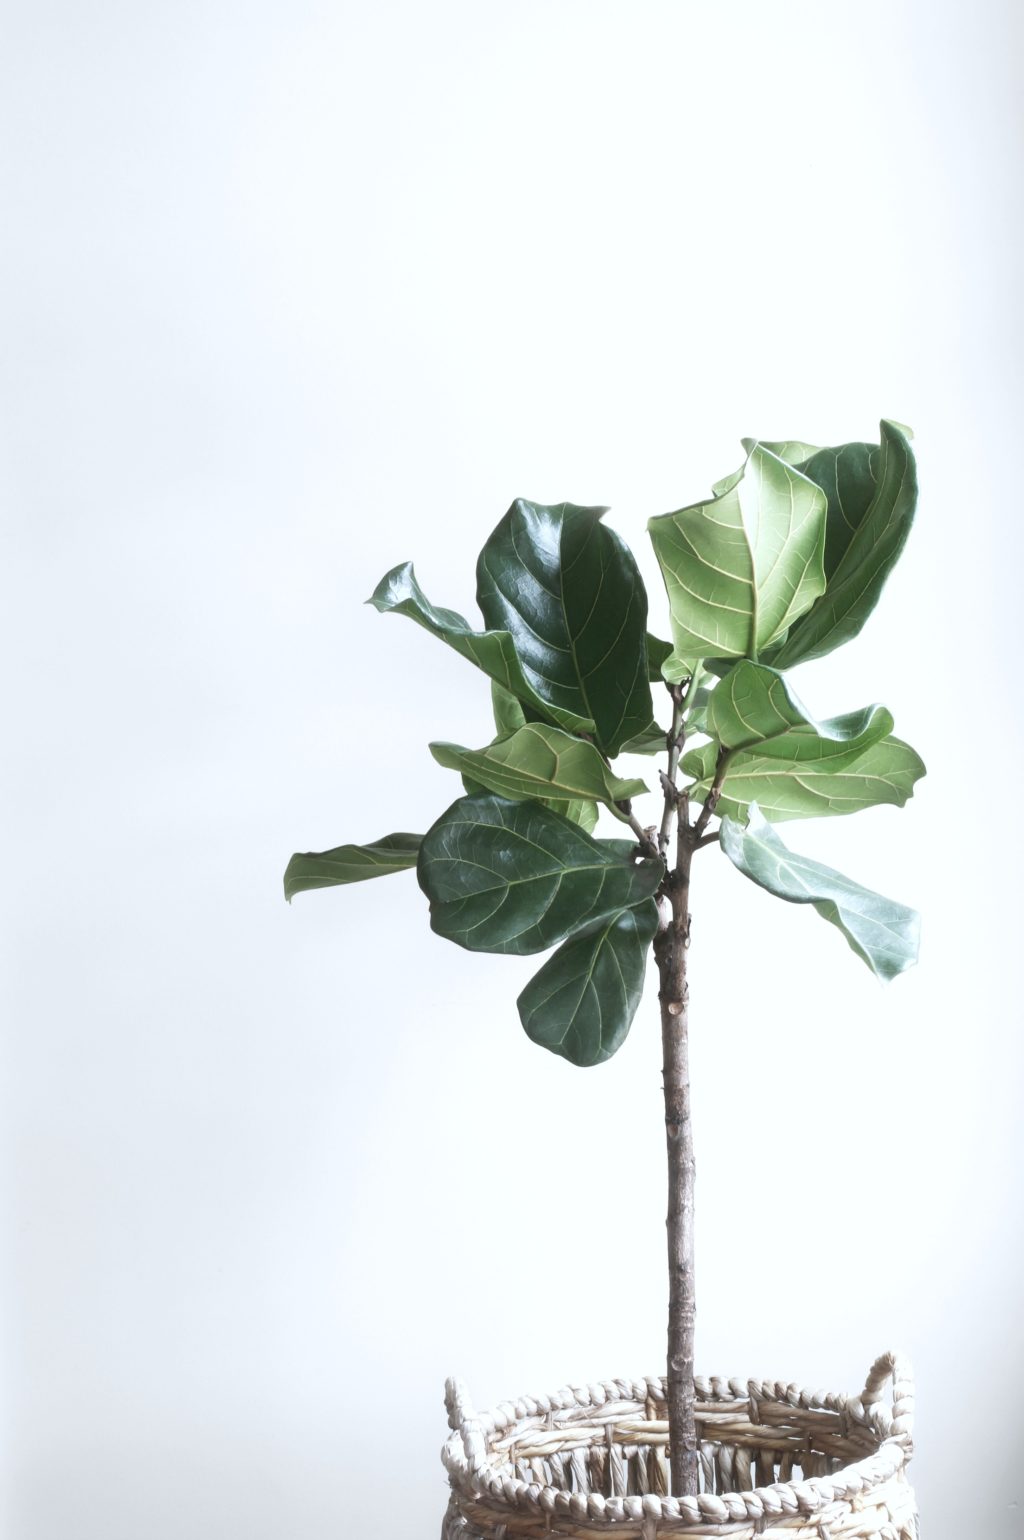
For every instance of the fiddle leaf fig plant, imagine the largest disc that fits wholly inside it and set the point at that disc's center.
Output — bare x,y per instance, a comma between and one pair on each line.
782,563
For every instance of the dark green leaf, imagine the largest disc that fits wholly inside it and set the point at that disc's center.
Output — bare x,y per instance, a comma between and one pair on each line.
492,651
827,779
350,863
541,762
515,877
754,705
658,652
584,998
650,741
872,495
623,850
741,568
568,591
883,933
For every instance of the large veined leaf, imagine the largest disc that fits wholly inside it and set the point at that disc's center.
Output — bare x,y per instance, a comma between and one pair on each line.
847,475
508,712
541,762
885,934
583,1000
493,651
791,450
350,863
509,718
753,705
516,877
577,810
569,593
872,496
828,779
741,568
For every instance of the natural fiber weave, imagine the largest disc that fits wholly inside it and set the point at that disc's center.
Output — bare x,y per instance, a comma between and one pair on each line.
591,1461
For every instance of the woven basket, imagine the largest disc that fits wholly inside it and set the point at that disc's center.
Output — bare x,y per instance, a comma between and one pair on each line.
591,1462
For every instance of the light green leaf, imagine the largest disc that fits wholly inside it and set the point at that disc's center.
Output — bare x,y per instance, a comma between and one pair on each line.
583,1000
515,877
541,762
790,450
872,496
579,812
350,863
570,594
885,934
492,651
819,778
741,568
508,718
753,704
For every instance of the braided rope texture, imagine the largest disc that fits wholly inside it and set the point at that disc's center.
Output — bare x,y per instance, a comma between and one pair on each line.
591,1461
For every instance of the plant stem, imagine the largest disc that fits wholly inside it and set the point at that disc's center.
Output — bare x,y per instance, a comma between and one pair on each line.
674,741
670,949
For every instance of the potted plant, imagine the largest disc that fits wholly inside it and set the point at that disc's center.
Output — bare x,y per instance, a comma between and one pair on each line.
780,565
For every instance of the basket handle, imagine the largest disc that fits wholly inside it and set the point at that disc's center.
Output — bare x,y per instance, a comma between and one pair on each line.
893,1366
463,1419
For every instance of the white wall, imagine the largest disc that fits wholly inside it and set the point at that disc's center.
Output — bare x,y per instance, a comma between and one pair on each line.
293,292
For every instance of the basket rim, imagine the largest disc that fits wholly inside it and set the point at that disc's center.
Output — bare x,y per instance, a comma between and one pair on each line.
473,1472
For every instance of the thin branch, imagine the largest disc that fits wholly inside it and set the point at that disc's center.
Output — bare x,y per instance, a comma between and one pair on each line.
643,836
711,800
709,839
674,740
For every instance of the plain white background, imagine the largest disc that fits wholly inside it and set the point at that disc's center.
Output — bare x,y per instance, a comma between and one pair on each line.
291,293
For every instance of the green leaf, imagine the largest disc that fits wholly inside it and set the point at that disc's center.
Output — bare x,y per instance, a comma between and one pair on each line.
579,812
509,718
508,712
753,704
569,593
872,496
623,850
582,1001
741,568
847,475
650,741
885,934
492,651
658,653
541,762
515,877
350,863
827,779
790,450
